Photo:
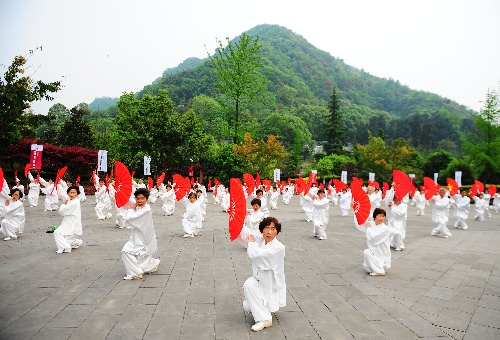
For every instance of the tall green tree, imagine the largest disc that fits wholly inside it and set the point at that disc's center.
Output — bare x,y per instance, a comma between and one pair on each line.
335,126
436,162
17,91
237,66
76,131
483,148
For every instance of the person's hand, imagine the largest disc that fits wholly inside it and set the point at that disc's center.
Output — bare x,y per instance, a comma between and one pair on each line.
248,212
66,202
250,238
390,204
133,206
6,203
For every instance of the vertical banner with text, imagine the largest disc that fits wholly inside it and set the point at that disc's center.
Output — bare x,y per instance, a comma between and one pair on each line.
102,161
458,178
277,175
36,156
436,177
371,176
343,177
147,165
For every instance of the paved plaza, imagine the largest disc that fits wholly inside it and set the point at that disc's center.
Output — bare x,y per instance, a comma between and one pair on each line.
436,289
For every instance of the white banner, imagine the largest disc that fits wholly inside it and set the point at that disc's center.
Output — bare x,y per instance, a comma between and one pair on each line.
436,177
343,177
147,165
277,175
102,161
458,178
412,178
371,176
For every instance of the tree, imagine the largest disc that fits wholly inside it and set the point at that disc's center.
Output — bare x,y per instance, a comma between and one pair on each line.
49,131
238,76
483,148
16,94
436,162
335,128
76,131
261,157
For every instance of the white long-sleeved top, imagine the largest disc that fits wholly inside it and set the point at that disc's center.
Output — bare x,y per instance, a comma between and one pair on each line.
320,213
143,237
268,267
72,218
399,214
440,209
378,241
462,206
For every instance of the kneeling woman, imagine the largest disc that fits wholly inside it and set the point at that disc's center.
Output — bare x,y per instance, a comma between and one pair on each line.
67,235
12,224
265,290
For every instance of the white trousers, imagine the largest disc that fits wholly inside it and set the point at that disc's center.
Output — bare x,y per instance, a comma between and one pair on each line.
460,223
344,211
372,263
420,212
479,217
441,229
8,229
397,241
255,300
138,264
66,241
190,227
168,209
320,230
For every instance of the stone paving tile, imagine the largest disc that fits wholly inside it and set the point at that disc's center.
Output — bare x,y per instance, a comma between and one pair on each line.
332,331
487,317
72,316
394,330
96,326
476,331
295,324
453,319
54,334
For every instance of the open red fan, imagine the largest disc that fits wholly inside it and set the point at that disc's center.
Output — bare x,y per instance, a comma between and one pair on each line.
473,191
78,179
452,186
160,179
430,188
492,190
360,202
249,182
27,169
237,208
267,184
479,185
1,178
257,180
150,183
339,185
209,184
289,180
374,184
300,185
123,184
385,187
60,175
182,186
402,183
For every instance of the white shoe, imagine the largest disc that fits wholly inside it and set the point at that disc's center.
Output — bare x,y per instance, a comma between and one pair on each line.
188,235
446,236
322,238
156,267
137,277
10,238
260,325
377,274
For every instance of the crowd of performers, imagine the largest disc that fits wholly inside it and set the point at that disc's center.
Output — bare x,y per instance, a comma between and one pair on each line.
265,290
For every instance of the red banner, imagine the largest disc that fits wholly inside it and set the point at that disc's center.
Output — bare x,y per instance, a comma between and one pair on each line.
36,156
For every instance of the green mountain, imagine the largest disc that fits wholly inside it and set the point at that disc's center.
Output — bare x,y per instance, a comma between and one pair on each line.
301,78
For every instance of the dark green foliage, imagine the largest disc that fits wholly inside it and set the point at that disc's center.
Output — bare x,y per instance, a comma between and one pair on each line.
102,103
436,162
468,174
335,127
76,131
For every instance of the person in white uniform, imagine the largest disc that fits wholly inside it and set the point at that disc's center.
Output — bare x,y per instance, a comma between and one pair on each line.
462,205
137,253
34,191
320,214
440,212
265,290
67,235
397,223
377,257
12,224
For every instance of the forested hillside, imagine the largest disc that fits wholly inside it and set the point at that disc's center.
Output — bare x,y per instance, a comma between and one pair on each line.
301,78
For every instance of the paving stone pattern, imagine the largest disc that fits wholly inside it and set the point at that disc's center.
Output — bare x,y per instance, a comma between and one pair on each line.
436,289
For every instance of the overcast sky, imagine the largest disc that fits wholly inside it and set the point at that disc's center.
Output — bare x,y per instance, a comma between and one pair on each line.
107,47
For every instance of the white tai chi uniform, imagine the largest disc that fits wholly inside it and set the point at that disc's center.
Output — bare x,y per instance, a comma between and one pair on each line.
225,201
287,194
378,255
420,201
265,290
397,225
81,193
273,199
67,235
252,222
440,210
192,218
320,216
462,206
345,202
34,191
307,206
480,206
13,220
51,199
137,252
168,198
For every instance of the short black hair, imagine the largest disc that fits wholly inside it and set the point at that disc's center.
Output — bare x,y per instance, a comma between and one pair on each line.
267,222
259,190
462,189
321,191
73,187
16,189
142,191
192,193
379,211
256,201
